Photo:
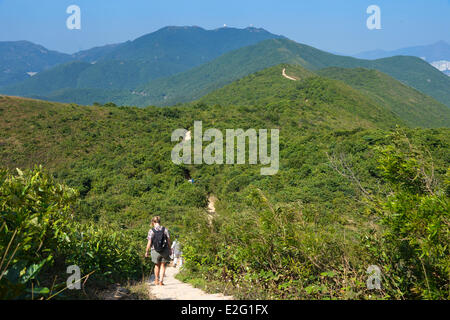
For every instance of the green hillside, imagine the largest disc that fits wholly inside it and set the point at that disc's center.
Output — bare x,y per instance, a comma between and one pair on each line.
86,96
176,65
189,46
199,81
159,54
19,57
57,78
414,107
338,204
377,94
323,101
96,53
415,73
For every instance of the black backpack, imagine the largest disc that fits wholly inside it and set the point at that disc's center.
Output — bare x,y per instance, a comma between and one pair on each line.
159,240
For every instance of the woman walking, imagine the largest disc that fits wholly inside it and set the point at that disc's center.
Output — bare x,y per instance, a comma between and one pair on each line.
159,242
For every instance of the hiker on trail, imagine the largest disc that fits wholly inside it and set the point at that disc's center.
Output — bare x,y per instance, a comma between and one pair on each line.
159,242
177,254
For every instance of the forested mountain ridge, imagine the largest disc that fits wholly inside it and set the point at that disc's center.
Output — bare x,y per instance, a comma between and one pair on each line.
412,106
373,93
195,83
163,68
125,66
19,60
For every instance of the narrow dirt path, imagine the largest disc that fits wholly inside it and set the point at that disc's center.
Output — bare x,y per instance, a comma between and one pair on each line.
211,208
286,76
212,204
174,289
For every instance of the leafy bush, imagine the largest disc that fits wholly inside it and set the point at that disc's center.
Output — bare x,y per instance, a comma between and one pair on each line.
272,252
39,236
262,249
414,247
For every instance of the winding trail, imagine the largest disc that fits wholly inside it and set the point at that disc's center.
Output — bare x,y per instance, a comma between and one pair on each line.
212,204
288,77
174,289
211,208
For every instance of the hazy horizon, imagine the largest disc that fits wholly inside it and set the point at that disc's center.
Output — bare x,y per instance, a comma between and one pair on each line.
336,26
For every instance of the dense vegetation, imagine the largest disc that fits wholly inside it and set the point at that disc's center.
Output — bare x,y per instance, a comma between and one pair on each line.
195,83
182,64
353,190
320,246
385,100
40,237
414,107
101,71
19,57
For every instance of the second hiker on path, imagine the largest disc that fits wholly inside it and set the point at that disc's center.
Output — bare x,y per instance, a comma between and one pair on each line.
159,242
177,258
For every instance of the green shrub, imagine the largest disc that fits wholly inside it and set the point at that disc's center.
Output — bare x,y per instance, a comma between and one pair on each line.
414,247
39,239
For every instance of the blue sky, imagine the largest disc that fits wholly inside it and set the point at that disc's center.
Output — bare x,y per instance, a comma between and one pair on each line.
333,25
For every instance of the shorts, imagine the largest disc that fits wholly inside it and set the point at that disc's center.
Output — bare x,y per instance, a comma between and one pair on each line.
158,257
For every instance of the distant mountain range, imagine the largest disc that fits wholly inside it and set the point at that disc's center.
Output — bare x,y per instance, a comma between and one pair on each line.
197,82
20,58
162,53
182,64
433,52
438,54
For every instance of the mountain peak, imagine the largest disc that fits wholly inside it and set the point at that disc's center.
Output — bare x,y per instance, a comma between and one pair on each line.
179,28
182,41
